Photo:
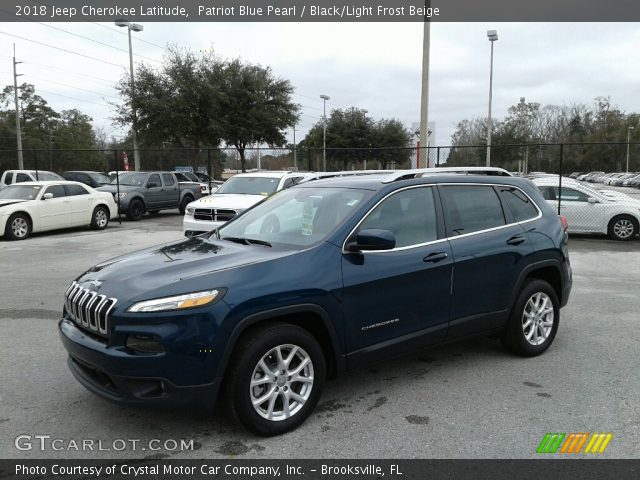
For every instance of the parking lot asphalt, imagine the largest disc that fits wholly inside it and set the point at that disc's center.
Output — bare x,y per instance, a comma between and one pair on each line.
465,400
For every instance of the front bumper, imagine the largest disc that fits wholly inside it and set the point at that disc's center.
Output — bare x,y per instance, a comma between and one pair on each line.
122,376
191,226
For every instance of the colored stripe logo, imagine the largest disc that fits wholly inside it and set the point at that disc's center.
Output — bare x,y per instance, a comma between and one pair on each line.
574,442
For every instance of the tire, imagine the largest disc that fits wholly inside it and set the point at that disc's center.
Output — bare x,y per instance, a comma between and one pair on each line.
535,314
136,210
183,204
623,228
257,350
100,218
18,226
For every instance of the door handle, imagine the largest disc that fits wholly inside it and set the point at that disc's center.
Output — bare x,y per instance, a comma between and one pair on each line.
516,240
435,257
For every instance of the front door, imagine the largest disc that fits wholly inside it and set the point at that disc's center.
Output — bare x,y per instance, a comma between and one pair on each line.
398,298
54,212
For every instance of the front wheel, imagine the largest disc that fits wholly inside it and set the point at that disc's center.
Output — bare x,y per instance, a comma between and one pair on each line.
275,378
623,227
534,319
18,226
136,210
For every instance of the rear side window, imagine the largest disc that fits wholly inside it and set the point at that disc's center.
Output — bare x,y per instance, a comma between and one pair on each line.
73,190
168,179
470,208
522,208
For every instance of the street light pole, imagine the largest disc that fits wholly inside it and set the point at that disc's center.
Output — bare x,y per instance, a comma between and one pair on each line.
324,132
295,158
364,117
15,97
493,36
136,28
628,140
424,104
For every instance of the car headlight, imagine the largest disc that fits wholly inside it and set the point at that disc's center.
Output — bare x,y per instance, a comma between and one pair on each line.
189,211
177,302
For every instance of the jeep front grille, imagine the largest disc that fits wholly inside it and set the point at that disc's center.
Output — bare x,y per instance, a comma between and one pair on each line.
214,214
88,309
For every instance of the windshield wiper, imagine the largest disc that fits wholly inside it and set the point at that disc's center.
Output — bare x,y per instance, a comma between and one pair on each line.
247,241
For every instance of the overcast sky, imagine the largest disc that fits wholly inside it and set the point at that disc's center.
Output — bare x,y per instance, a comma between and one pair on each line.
376,66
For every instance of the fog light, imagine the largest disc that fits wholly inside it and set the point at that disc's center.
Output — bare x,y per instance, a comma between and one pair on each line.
144,344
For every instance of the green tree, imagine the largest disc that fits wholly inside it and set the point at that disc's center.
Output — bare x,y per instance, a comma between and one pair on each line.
257,107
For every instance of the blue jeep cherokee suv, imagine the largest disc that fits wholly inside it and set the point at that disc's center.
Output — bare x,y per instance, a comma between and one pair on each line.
315,280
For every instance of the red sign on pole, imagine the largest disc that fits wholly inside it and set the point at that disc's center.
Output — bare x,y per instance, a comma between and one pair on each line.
125,160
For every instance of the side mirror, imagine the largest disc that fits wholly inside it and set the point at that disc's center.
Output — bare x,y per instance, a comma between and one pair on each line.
152,185
592,200
47,196
372,239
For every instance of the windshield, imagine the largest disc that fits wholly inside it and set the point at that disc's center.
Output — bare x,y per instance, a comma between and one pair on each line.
131,179
20,192
296,218
250,185
100,179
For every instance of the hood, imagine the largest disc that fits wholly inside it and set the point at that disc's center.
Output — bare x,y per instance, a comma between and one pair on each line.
227,200
10,201
114,188
173,268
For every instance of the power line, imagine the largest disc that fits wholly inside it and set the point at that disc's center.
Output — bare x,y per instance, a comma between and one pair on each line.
97,41
62,49
67,72
73,86
75,98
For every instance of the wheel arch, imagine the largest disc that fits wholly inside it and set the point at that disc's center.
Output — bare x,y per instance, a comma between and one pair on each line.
310,317
547,270
29,217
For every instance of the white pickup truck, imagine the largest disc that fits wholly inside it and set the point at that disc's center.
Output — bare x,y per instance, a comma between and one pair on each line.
10,177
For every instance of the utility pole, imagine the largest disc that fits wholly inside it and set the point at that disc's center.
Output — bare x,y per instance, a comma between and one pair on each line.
424,104
15,96
295,158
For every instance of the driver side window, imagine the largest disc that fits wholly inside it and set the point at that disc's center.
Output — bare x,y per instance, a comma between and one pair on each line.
409,214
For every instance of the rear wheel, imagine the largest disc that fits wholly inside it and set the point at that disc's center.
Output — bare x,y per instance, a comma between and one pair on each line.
275,378
100,218
183,204
136,210
534,319
18,226
623,227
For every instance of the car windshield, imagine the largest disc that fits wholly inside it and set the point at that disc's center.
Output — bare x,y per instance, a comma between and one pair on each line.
100,179
296,218
250,185
131,179
20,192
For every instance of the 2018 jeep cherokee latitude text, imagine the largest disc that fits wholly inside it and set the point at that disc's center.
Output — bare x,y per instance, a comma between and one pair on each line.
316,280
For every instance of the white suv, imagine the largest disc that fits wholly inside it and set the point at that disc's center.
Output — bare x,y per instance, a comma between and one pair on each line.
234,196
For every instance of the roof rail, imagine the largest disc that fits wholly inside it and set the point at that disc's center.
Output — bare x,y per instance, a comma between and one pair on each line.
421,172
348,173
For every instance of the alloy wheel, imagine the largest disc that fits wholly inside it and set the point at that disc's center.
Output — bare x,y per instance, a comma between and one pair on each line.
623,228
537,318
19,227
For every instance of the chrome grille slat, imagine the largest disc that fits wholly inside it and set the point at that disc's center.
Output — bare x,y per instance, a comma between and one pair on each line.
214,214
88,309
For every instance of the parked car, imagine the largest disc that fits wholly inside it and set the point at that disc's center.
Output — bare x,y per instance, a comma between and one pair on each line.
192,177
575,175
93,179
29,207
632,182
10,177
151,192
236,195
349,270
619,182
593,211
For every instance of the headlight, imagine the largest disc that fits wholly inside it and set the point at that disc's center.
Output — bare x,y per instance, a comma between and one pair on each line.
178,302
189,211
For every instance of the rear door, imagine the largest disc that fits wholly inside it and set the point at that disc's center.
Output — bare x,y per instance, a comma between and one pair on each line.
399,296
54,212
489,253
171,193
80,203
